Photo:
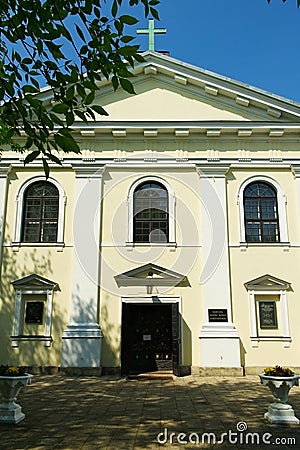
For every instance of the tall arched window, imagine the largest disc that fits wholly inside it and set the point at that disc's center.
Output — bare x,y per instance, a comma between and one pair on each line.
150,213
261,213
40,213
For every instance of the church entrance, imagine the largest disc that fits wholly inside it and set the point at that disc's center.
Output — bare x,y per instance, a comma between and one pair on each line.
150,340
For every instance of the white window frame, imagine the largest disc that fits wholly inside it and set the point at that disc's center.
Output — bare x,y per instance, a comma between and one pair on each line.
171,210
284,325
19,315
20,209
281,205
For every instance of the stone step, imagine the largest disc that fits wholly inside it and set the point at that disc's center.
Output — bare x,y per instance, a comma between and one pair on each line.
157,375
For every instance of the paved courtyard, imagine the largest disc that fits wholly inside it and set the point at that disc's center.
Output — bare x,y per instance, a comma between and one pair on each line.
113,413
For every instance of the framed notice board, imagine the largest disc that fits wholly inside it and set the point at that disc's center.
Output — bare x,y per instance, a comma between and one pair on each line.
217,315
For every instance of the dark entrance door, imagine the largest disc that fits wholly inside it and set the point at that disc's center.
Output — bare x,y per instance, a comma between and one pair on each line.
148,337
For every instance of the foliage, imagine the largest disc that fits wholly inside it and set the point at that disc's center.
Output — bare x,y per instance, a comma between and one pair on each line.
278,371
12,371
298,2
70,46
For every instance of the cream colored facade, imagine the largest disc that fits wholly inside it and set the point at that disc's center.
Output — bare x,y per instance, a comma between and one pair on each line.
204,138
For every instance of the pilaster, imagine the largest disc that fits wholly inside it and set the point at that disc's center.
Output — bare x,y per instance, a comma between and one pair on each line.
219,340
4,172
82,338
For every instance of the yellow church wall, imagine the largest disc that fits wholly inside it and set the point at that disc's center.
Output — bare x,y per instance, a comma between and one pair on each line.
261,259
44,260
163,104
253,263
49,264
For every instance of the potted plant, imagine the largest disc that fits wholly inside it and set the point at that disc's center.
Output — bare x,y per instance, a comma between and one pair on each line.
12,379
280,380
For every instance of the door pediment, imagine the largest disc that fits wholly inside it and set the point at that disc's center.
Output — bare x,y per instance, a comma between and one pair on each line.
151,275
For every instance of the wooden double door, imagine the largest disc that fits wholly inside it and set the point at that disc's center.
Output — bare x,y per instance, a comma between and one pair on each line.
150,337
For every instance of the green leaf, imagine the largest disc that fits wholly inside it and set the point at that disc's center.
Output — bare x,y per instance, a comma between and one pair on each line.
154,13
114,8
27,88
81,115
66,143
32,156
98,109
80,33
129,20
53,158
139,58
89,98
60,108
70,92
127,39
80,90
70,118
46,168
55,50
127,85
56,119
115,82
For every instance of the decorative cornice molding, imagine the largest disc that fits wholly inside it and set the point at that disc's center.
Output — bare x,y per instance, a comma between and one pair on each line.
88,171
215,171
5,169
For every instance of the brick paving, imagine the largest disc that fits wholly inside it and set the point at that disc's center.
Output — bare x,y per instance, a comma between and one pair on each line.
112,413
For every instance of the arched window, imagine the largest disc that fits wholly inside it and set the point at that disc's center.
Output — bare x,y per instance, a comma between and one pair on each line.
40,213
261,213
150,213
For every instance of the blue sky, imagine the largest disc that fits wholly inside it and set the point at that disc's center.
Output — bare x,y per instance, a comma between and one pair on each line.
247,40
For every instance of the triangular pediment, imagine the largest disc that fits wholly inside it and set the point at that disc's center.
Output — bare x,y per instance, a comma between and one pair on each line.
171,90
151,275
267,282
157,102
34,282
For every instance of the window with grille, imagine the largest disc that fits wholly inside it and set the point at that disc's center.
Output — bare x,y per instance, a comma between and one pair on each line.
261,213
40,213
151,213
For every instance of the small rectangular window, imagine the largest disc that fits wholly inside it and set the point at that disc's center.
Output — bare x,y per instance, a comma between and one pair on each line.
267,315
34,312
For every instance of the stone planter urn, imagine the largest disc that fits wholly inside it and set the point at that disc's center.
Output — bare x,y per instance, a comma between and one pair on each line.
280,411
10,386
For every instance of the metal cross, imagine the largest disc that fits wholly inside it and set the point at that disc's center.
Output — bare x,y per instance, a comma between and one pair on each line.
151,31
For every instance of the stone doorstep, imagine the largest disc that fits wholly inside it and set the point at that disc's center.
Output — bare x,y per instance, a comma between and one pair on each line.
158,375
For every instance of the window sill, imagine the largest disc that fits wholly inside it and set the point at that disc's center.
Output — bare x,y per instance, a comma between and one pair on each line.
16,245
285,339
245,245
131,245
16,339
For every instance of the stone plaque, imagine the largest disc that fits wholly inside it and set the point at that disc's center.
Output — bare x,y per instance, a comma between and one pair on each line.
267,315
34,312
217,315
146,337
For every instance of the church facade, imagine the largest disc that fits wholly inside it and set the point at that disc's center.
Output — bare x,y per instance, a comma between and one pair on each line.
172,242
